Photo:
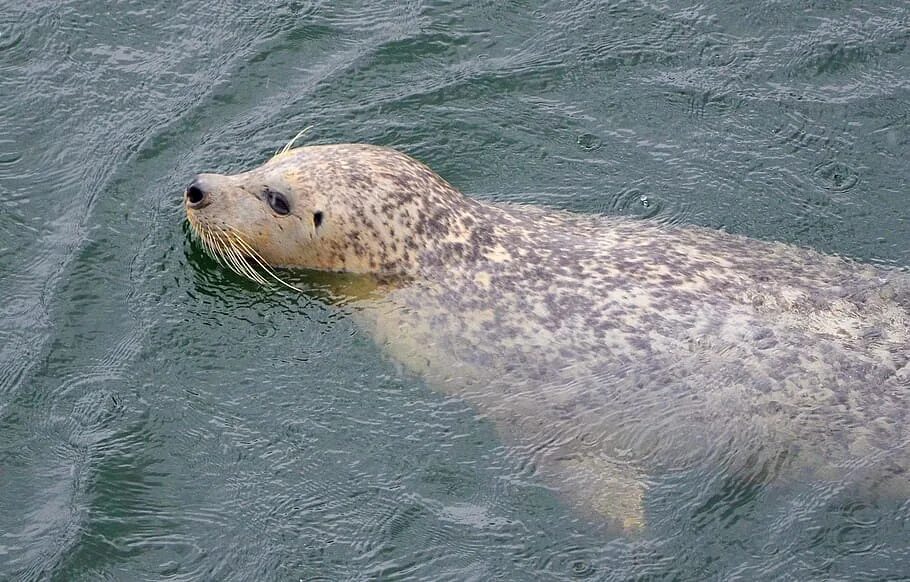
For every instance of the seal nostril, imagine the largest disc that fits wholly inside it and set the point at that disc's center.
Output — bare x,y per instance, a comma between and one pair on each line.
194,194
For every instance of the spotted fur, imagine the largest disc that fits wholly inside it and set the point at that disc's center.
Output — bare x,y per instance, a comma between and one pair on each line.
612,348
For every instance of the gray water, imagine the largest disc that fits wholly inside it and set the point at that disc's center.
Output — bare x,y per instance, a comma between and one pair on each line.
161,419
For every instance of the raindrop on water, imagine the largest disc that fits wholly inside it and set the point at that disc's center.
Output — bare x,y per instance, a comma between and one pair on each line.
588,142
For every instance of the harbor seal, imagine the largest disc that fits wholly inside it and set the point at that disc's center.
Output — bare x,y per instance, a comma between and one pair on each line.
609,350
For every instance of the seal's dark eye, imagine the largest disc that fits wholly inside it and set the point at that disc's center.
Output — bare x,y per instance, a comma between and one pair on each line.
278,202
317,219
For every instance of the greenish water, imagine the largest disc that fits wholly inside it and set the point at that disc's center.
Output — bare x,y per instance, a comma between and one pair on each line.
163,419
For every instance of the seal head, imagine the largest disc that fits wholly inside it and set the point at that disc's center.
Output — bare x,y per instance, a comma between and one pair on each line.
350,207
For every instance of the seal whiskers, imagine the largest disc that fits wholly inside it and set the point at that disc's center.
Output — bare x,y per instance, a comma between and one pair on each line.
229,248
287,147
250,252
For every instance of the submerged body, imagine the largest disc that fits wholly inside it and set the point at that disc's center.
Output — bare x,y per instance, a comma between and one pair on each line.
610,349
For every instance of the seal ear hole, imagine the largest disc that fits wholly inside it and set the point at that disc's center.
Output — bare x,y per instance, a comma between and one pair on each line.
317,218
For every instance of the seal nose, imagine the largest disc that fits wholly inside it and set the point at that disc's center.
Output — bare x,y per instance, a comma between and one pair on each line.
196,195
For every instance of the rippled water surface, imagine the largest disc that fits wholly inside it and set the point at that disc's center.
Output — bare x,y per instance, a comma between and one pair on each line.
162,419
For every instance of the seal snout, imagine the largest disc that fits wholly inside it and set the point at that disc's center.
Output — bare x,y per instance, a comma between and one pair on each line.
197,195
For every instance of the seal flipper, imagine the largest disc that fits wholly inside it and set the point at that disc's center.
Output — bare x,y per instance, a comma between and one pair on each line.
595,484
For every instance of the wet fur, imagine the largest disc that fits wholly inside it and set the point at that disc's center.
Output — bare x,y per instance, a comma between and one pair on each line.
607,346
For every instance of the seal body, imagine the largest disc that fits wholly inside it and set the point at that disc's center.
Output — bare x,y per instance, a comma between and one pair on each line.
614,349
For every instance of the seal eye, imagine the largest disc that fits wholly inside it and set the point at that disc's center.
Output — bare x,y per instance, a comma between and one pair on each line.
317,219
278,202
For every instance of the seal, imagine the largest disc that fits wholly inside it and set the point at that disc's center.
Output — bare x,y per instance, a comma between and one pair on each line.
611,350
